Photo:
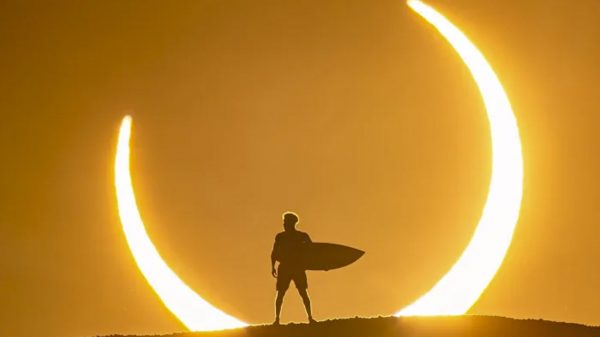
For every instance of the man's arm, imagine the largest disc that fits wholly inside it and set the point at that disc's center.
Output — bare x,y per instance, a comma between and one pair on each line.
274,255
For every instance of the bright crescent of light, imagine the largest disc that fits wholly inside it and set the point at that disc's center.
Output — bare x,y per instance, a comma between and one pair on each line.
460,288
455,293
191,309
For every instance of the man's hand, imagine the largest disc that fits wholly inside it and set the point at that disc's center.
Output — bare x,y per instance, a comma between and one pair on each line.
274,272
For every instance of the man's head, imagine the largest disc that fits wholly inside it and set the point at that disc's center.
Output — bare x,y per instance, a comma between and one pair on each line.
290,219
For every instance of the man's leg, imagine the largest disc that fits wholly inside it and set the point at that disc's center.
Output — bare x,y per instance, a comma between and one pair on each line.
283,282
302,284
306,300
278,304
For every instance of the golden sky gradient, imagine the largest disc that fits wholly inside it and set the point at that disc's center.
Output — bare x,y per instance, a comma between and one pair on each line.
354,114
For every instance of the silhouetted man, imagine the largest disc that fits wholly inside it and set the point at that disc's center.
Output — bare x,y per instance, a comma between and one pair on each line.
287,250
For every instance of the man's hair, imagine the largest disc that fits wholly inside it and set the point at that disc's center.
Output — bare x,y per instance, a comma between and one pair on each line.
291,217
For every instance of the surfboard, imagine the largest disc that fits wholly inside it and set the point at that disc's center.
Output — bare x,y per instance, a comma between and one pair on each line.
327,256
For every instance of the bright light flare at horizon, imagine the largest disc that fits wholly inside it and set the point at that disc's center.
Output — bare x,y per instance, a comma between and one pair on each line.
460,288
191,309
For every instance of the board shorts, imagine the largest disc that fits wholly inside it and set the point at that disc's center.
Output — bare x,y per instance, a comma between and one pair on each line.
286,275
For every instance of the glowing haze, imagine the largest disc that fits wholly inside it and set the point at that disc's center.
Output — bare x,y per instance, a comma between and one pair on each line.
191,309
460,288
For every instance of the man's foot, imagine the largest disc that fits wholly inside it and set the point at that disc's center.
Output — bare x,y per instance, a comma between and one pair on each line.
276,322
311,320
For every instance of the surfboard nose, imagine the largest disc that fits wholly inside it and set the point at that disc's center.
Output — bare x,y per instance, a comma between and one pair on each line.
327,256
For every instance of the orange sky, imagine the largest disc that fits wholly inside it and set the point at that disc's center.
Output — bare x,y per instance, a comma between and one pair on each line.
355,114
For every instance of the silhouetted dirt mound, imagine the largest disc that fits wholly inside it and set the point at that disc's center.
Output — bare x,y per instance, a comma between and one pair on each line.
460,326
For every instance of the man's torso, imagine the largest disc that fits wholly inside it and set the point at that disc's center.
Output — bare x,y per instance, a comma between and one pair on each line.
289,247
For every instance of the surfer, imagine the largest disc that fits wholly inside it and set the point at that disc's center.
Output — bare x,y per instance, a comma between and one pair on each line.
287,251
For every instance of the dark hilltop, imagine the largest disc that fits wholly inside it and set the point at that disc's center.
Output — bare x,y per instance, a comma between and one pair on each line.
457,326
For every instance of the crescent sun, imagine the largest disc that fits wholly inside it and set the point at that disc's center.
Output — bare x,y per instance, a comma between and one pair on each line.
453,294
